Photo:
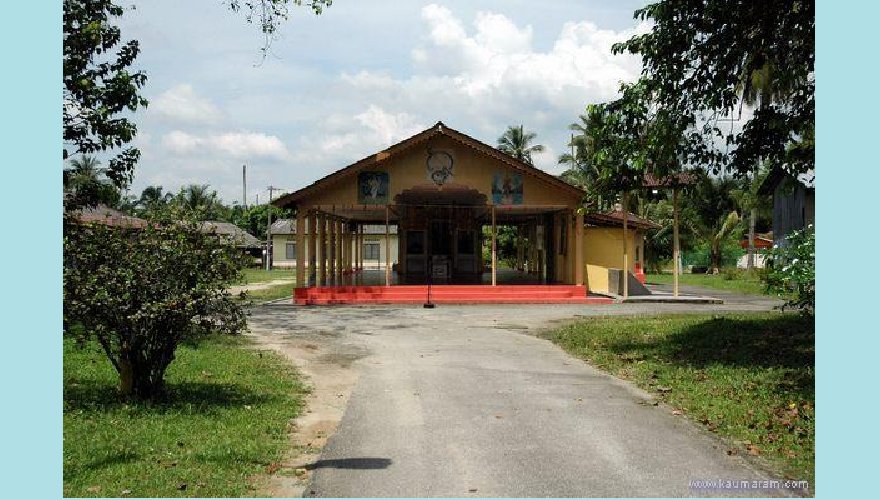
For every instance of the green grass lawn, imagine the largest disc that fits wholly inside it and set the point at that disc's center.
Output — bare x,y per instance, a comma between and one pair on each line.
746,377
742,283
271,293
253,275
225,420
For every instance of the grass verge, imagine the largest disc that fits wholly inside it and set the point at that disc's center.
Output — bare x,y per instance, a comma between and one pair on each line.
273,292
225,420
743,283
748,377
252,275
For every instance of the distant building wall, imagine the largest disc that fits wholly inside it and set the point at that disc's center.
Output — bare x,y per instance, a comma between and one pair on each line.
282,258
794,207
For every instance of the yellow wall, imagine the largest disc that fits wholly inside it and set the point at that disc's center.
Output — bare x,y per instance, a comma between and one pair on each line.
603,250
470,168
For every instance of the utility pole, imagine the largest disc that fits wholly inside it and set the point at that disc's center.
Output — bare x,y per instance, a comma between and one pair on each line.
244,187
269,229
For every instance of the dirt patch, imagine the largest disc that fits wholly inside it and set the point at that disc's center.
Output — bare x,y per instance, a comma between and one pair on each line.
327,364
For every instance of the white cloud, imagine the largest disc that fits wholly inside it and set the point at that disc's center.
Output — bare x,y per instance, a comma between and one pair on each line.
499,57
241,145
483,77
178,141
181,103
389,127
354,81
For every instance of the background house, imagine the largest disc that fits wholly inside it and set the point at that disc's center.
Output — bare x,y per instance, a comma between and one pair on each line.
374,249
794,201
107,216
243,240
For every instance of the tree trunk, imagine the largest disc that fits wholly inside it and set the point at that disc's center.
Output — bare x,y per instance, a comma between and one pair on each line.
750,263
126,377
715,257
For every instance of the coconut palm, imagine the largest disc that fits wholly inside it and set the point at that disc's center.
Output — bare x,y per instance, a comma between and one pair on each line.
86,184
517,143
152,198
83,171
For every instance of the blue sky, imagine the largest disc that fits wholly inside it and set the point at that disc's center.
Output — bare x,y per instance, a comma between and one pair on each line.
358,78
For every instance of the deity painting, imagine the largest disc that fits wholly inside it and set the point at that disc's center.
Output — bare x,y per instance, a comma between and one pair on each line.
507,188
439,167
373,188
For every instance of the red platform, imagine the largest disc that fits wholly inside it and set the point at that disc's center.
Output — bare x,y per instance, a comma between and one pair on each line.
447,294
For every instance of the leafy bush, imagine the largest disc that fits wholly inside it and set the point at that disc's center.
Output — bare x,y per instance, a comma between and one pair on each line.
140,292
794,270
731,273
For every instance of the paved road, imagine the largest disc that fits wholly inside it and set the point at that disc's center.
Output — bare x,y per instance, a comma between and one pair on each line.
463,401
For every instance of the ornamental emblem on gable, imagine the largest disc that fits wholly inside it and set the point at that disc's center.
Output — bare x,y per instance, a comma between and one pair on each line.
439,167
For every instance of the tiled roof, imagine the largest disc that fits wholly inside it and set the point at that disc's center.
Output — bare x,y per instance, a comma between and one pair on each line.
109,217
439,129
615,218
229,230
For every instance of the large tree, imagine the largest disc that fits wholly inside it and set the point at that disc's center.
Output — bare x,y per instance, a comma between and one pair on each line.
139,292
705,59
516,142
99,89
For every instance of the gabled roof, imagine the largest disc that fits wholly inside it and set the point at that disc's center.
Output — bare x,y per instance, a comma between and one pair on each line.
107,216
439,129
777,175
237,235
674,180
615,219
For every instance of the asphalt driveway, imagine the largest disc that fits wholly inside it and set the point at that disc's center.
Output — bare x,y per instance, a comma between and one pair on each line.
465,401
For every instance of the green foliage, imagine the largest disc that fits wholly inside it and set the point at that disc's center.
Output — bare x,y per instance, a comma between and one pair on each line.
749,378
700,254
518,143
269,14
794,270
703,59
140,292
86,182
253,219
225,419
99,89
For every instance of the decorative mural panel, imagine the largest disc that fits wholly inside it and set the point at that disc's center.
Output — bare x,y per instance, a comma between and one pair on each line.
373,188
439,166
507,188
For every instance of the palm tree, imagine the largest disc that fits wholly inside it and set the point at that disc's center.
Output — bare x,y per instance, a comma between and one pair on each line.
153,198
86,184
196,197
84,170
516,142
711,214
